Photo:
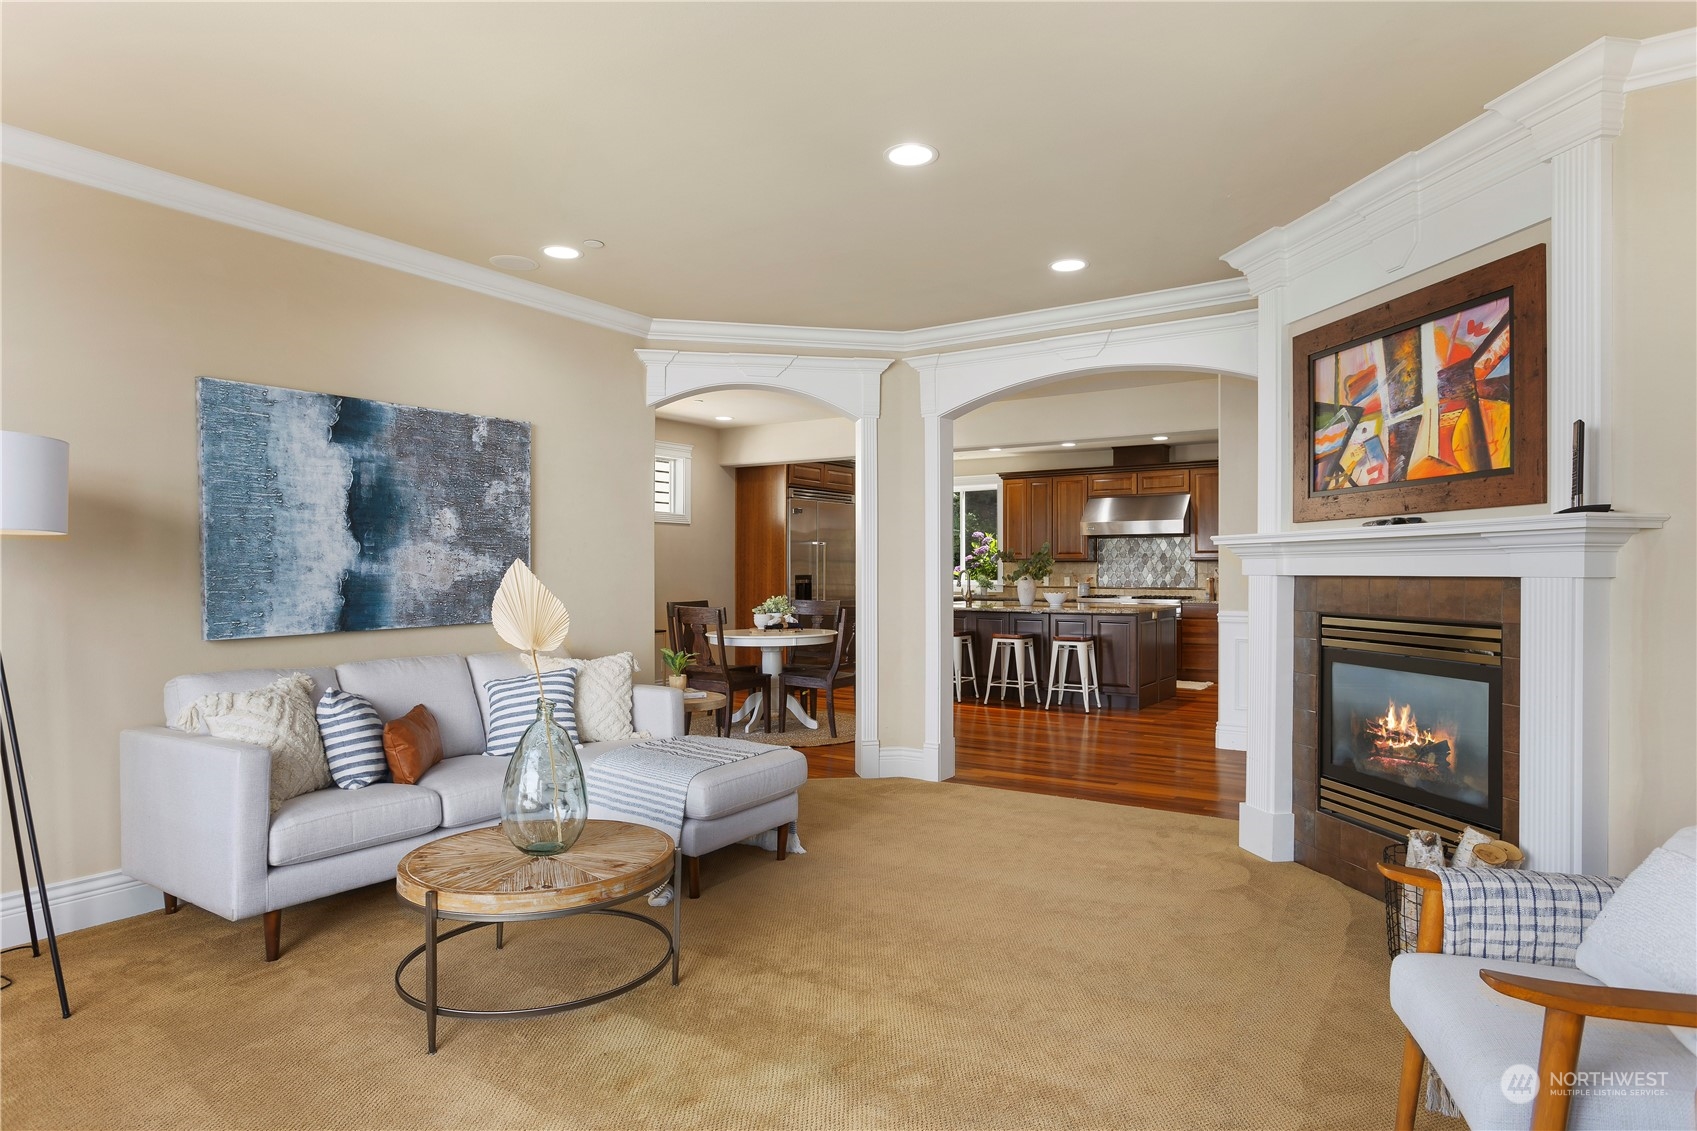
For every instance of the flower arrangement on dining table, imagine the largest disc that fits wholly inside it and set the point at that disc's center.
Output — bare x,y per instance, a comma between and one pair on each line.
983,563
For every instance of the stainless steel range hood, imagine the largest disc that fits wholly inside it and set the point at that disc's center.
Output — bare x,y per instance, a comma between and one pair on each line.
1136,514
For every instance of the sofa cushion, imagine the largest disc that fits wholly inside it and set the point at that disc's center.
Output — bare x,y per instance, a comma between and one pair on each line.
1472,1035
330,822
353,739
510,708
470,788
442,683
1645,938
730,788
185,689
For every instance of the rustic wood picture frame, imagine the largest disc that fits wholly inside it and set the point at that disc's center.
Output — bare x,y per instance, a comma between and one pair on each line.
1521,277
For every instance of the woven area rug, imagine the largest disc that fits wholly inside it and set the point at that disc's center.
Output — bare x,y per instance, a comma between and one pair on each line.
797,735
945,956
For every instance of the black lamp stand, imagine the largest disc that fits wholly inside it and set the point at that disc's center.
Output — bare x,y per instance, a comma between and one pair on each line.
13,761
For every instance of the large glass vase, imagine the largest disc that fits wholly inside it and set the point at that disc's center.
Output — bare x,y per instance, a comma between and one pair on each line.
543,803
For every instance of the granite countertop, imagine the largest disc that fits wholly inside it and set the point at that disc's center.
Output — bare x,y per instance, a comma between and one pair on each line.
1106,608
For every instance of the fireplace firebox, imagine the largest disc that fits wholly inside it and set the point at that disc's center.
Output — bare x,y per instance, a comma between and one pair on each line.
1411,724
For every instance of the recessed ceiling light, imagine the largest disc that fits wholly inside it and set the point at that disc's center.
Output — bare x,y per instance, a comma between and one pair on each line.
722,418
513,262
593,243
995,449
561,251
1157,439
1069,444
1068,265
911,153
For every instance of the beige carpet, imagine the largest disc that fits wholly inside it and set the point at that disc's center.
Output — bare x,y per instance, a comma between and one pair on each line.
795,735
944,956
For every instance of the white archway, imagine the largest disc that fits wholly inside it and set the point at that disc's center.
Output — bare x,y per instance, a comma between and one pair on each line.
953,384
847,385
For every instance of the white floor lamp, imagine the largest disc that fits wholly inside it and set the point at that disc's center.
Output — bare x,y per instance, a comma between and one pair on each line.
34,499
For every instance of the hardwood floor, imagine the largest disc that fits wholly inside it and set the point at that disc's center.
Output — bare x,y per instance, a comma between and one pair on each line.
1161,757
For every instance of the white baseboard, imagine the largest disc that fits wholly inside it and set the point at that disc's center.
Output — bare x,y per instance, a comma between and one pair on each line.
86,901
1271,836
903,762
1231,732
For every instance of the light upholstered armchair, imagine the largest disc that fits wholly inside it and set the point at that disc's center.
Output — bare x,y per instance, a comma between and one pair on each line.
1591,981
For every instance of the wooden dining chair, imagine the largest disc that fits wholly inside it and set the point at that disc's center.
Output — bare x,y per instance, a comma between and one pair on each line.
814,614
673,636
699,631
839,673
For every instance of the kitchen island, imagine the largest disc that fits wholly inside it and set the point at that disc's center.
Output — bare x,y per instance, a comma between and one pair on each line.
1136,645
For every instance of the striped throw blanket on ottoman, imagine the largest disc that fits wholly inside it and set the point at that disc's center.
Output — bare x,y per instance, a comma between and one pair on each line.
649,783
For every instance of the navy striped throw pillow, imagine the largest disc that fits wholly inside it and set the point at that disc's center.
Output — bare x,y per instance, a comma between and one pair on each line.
512,708
353,739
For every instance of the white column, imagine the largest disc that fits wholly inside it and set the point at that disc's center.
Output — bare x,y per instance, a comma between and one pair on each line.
1266,825
1581,314
866,753
1272,411
939,753
1564,723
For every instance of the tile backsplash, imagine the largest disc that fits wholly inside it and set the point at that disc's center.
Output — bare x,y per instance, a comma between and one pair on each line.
1149,561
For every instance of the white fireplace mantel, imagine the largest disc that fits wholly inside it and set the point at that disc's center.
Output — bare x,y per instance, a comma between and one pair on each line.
1543,545
1565,563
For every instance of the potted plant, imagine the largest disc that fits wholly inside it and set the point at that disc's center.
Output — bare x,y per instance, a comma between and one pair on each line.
773,612
1027,574
983,563
677,662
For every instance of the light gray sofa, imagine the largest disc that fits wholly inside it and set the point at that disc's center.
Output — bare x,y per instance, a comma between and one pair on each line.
194,808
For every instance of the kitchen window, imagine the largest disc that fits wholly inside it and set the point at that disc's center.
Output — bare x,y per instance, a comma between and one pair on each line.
978,506
671,481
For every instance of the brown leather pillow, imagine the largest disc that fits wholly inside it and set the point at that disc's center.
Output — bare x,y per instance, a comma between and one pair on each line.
412,744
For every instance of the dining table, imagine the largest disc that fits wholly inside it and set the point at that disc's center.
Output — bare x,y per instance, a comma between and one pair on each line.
772,642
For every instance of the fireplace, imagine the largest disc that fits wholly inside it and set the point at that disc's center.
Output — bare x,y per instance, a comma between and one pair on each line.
1411,724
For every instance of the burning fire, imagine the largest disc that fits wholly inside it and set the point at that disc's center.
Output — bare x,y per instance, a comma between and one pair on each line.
1398,735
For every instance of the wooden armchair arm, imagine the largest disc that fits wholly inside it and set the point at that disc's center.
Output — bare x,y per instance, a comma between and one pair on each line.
1650,1007
1430,939
1566,1005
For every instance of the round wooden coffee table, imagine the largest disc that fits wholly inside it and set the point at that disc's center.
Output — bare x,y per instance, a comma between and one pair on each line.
480,878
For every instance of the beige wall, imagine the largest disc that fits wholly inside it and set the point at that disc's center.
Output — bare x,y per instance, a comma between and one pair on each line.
801,441
1054,459
1184,406
1653,658
112,308
1237,482
697,560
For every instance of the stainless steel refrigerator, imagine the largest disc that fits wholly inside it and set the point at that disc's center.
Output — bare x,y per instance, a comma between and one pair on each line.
821,529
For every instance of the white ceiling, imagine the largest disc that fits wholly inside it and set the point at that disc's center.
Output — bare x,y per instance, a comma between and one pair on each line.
729,155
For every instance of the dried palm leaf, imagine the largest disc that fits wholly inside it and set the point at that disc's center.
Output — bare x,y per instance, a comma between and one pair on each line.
526,615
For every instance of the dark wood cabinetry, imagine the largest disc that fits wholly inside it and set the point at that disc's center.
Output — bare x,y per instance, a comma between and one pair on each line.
823,476
1136,652
1199,642
1048,506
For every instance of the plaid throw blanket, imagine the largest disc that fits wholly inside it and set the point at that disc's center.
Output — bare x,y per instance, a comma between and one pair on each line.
649,782
1513,917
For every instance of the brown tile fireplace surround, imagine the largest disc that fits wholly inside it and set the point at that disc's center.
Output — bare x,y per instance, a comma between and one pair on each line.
1340,848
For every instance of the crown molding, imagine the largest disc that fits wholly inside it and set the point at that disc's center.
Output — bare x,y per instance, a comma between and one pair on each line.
42,154
1050,320
1579,98
849,385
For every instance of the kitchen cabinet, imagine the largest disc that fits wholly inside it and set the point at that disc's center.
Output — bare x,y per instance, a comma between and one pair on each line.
1199,642
1204,512
1111,483
1136,650
837,477
1028,516
1166,481
1067,510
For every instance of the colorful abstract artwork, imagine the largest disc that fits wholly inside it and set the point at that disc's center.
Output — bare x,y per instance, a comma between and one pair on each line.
1429,402
322,513
1416,404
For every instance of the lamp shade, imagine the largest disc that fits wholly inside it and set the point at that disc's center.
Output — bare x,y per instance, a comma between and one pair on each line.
35,484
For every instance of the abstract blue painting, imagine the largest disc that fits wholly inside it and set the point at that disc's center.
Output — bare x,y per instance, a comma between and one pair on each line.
321,513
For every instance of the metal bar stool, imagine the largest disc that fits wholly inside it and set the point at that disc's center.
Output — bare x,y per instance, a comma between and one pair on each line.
1065,650
1020,648
967,672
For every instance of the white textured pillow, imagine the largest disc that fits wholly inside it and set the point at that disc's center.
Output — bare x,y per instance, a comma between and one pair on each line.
604,697
1645,938
281,717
